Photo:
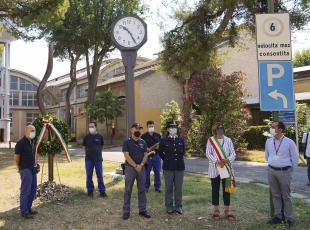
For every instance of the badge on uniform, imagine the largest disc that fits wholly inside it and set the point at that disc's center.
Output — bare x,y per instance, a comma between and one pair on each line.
276,157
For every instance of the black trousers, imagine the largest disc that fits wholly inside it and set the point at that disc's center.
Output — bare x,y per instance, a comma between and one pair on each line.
216,183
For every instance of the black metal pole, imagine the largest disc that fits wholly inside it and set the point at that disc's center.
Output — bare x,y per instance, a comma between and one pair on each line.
129,60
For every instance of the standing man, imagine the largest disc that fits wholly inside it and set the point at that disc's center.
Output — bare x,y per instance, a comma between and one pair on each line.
306,142
93,143
282,156
152,140
135,153
171,151
24,158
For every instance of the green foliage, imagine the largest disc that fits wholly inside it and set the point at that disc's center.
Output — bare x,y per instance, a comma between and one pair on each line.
53,145
302,58
200,30
217,98
171,113
255,138
106,107
32,19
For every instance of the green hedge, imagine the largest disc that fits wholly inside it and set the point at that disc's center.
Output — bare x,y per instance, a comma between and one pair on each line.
255,138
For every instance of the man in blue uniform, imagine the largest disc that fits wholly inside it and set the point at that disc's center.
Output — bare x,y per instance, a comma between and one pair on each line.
171,151
135,153
152,139
25,161
93,143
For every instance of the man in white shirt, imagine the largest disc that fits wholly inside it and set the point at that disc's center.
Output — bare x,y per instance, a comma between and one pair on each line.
306,142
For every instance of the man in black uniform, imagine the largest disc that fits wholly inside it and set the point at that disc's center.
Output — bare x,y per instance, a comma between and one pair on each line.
171,151
25,161
135,153
152,139
93,143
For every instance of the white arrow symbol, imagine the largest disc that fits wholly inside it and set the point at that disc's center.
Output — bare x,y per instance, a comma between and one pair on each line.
275,95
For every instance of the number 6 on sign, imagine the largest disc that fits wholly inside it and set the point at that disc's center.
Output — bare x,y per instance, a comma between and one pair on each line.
273,27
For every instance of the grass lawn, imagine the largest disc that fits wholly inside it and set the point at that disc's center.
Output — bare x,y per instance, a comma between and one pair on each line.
250,204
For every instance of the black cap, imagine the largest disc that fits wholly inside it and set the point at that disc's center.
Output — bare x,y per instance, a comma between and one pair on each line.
136,125
171,124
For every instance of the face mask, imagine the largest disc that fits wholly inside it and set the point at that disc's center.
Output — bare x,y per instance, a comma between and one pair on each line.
151,130
92,130
173,131
32,135
137,133
272,131
220,131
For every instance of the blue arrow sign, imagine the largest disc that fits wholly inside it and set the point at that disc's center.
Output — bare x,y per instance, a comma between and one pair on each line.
276,86
288,117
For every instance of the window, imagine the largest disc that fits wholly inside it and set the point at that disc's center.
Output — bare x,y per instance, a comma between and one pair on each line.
30,117
81,90
26,85
14,82
29,99
14,99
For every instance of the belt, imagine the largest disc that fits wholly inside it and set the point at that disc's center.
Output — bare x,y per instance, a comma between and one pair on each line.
280,169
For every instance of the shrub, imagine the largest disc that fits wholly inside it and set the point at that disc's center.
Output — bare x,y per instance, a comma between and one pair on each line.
255,138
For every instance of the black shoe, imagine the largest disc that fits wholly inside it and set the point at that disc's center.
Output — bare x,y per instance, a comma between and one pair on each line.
27,216
126,216
90,194
31,212
144,214
179,211
146,190
170,211
289,224
274,221
158,190
103,194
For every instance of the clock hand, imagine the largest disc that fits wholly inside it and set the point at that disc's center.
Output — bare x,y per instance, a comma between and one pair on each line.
125,28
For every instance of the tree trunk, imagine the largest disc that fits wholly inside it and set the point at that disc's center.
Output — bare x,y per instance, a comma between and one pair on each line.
187,110
46,76
40,98
73,63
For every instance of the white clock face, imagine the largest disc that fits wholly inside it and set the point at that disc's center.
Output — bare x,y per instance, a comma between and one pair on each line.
129,32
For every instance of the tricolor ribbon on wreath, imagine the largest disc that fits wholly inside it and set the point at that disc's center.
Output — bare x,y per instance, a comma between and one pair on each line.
46,126
230,185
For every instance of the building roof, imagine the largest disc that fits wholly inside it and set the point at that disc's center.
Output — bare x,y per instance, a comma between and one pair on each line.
12,71
302,69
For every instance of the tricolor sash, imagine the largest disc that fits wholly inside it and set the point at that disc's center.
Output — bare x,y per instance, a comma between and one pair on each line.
230,185
48,125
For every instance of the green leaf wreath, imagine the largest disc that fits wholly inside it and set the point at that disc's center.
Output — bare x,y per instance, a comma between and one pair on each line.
53,146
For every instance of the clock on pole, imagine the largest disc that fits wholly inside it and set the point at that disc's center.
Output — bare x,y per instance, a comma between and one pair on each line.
129,34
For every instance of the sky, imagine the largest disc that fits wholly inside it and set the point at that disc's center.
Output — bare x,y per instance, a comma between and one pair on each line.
31,57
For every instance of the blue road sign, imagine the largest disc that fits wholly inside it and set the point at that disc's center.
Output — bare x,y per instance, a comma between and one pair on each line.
288,117
276,86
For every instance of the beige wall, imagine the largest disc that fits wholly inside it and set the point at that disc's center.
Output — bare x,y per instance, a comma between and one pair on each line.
302,86
243,58
19,122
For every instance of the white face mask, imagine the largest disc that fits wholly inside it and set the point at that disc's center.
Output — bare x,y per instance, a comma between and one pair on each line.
32,135
173,131
151,130
92,130
272,131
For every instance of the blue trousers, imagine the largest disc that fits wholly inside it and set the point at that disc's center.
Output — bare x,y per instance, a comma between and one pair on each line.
155,164
308,164
28,189
90,165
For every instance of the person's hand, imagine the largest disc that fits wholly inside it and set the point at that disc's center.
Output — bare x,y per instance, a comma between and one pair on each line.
221,163
138,169
157,146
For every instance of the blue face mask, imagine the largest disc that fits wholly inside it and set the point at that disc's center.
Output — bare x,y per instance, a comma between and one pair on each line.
220,131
